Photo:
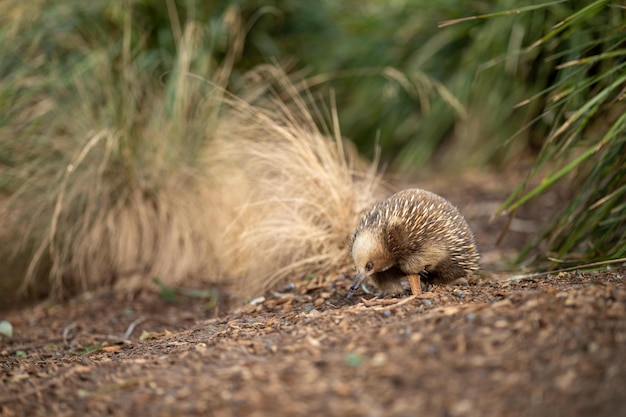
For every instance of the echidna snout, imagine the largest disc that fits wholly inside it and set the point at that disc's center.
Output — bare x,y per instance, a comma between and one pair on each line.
413,234
369,255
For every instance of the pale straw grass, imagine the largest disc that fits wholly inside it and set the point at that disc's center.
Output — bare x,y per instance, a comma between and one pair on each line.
304,190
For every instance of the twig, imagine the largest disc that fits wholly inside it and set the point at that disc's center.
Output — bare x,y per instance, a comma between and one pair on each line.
572,268
398,304
387,304
376,302
132,326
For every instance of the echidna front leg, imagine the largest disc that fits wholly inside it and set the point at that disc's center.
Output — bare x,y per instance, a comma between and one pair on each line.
414,282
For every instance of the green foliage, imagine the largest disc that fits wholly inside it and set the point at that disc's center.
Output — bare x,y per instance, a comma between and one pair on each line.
423,93
418,90
354,359
587,142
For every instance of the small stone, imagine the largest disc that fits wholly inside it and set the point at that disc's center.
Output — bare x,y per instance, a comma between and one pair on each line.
565,381
6,329
459,293
258,300
379,359
570,301
501,324
462,408
417,337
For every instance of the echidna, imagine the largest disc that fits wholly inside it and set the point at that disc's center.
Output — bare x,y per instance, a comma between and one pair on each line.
411,235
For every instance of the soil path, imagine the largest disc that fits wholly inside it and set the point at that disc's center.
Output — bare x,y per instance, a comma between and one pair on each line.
549,347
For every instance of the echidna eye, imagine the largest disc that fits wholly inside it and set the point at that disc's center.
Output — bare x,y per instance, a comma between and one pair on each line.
369,266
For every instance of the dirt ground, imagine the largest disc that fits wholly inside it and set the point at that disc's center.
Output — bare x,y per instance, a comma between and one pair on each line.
500,346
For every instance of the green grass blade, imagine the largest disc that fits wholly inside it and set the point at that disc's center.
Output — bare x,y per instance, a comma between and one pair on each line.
510,12
547,182
583,14
585,109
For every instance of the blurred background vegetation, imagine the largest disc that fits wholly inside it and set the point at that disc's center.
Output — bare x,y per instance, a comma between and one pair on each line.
436,85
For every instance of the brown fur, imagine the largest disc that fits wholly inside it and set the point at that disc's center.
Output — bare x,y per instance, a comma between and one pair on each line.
389,281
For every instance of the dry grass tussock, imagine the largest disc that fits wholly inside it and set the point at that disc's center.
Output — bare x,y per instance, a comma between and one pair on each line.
304,188
115,203
111,180
237,191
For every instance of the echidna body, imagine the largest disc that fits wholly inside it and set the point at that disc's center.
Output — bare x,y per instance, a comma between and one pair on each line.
413,234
